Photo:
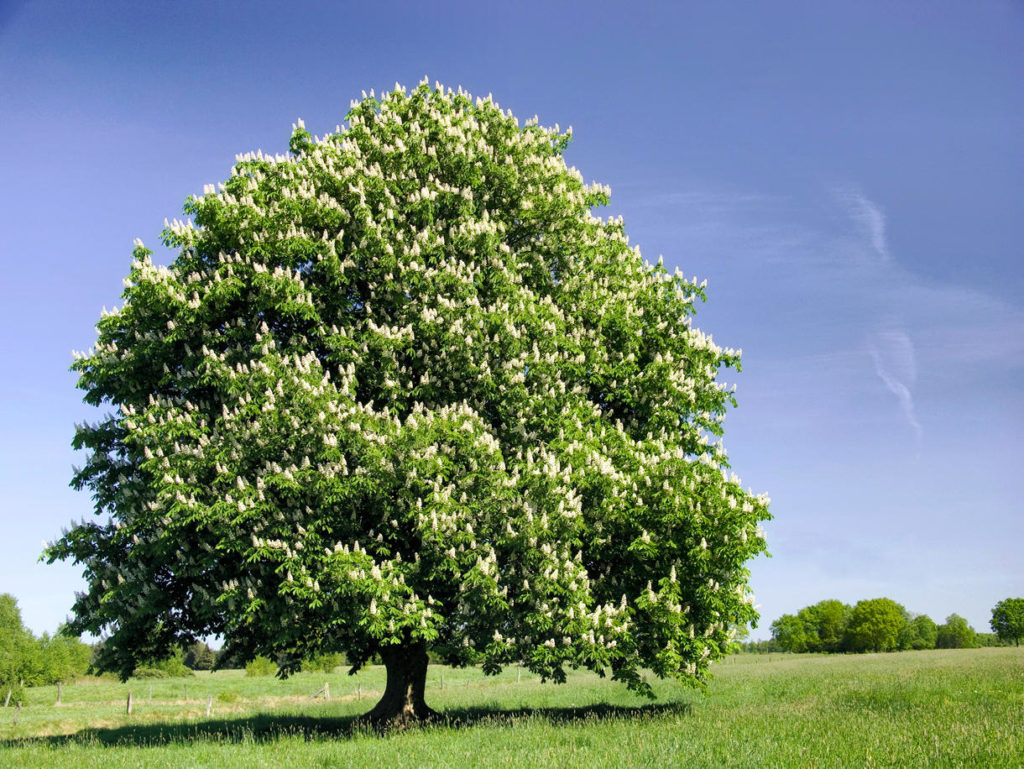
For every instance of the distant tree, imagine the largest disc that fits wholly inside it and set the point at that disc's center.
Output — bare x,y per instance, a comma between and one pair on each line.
875,625
760,647
15,643
260,666
61,658
990,639
10,614
400,391
824,625
200,656
324,663
226,661
171,666
956,634
1008,620
789,634
25,659
919,633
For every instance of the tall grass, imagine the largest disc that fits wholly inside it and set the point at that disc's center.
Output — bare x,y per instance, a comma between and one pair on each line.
936,708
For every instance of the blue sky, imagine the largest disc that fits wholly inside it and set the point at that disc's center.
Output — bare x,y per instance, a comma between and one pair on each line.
847,176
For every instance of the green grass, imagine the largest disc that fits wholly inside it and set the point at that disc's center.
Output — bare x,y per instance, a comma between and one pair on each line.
915,709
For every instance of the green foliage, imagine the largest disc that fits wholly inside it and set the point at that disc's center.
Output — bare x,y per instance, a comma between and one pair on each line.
16,644
817,628
1008,620
402,386
880,624
26,660
200,657
824,625
61,658
172,666
325,663
990,639
260,666
760,647
920,632
956,634
789,634
150,671
875,625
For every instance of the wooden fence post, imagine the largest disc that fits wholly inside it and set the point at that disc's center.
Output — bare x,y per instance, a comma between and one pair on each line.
128,708
442,680
209,705
7,699
359,691
327,691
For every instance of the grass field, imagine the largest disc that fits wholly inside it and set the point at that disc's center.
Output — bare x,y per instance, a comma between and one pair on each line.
914,709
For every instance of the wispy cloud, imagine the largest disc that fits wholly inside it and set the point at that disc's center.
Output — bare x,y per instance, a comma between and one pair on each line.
820,289
838,314
870,218
891,350
895,363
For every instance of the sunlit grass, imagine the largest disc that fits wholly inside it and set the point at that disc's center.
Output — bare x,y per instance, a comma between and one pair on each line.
935,708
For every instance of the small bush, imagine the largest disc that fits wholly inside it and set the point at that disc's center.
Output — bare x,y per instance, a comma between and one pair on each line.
148,671
261,666
18,694
325,663
172,667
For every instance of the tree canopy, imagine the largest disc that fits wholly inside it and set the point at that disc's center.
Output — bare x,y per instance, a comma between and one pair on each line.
401,389
790,633
1008,620
30,661
875,625
920,632
817,628
825,623
956,634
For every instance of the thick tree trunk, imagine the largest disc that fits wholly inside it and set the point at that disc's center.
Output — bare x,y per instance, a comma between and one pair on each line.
403,701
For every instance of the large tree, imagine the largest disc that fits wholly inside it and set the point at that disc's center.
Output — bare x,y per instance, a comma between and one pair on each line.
1008,620
401,390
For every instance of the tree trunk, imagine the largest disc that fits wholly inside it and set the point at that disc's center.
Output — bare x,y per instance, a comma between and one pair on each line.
403,701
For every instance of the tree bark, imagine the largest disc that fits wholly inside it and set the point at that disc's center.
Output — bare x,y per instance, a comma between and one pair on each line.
403,701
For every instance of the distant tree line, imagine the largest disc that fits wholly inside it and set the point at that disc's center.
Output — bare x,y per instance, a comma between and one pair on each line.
26,660
881,624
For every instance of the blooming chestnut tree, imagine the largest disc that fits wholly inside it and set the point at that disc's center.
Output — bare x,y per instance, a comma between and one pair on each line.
402,391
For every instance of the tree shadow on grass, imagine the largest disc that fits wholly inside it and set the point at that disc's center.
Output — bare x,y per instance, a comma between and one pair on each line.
268,727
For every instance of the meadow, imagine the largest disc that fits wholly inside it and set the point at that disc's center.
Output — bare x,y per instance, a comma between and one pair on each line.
933,708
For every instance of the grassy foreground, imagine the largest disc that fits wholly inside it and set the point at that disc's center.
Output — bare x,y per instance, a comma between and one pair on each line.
934,708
